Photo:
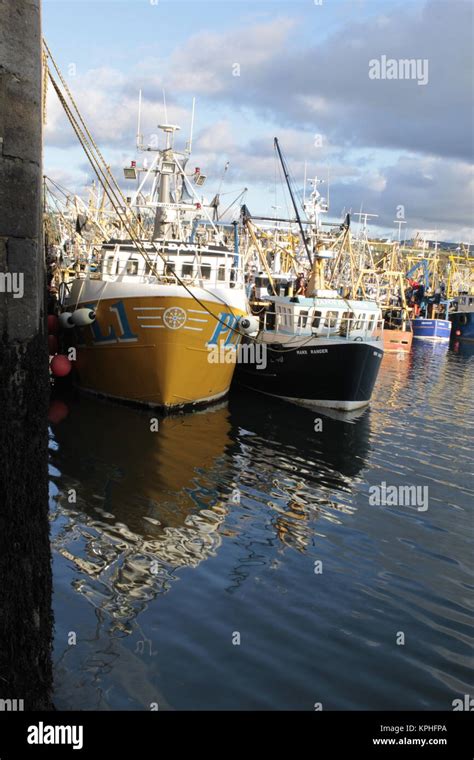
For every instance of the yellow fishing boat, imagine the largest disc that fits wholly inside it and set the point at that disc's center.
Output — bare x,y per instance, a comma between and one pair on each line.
144,324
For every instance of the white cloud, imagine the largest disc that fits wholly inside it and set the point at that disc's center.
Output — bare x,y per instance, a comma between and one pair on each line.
298,92
205,65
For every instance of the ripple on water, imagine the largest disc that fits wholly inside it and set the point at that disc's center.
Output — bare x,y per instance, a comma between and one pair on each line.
243,523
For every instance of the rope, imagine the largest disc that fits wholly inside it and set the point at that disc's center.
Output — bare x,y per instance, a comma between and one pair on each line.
93,143
44,84
101,296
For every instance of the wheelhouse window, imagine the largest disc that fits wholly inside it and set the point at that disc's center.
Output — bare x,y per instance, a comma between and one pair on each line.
205,271
302,318
317,315
170,267
132,266
331,319
110,264
221,273
187,269
346,323
286,316
346,317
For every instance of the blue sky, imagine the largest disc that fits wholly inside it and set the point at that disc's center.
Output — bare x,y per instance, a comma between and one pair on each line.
303,72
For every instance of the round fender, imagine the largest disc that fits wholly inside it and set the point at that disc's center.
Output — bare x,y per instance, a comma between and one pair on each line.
65,320
83,317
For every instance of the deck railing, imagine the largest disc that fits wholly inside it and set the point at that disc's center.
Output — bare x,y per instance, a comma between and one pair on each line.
301,323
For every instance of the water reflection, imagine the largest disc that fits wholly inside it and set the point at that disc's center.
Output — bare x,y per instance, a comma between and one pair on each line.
132,507
301,465
133,504
143,497
213,525
463,348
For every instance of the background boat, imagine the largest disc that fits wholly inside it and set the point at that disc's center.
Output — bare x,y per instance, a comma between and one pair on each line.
431,329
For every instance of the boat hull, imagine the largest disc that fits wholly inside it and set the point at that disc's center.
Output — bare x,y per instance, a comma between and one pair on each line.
333,374
462,325
154,349
431,329
395,341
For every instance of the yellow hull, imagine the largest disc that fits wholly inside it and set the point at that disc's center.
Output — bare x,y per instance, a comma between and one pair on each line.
154,350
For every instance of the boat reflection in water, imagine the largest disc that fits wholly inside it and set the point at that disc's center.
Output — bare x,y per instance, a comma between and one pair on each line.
141,495
462,347
302,464
150,500
148,505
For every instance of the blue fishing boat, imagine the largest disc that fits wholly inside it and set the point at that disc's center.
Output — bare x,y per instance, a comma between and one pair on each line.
462,318
431,329
431,322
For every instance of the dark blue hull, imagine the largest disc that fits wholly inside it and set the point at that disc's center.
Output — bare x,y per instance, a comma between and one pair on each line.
462,325
332,374
431,329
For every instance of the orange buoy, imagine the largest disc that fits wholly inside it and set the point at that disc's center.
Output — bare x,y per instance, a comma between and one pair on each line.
57,411
52,345
53,324
60,365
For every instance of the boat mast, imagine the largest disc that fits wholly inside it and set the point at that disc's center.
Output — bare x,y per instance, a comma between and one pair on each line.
191,130
298,218
166,169
139,134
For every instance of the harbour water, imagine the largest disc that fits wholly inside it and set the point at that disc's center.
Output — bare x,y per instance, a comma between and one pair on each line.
232,559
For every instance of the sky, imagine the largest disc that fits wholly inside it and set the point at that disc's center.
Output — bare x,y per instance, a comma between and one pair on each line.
394,139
